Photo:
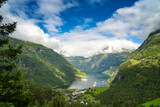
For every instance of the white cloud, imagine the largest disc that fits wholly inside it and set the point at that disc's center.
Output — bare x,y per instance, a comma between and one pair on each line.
51,9
88,42
27,30
96,1
88,20
118,44
88,48
48,10
138,20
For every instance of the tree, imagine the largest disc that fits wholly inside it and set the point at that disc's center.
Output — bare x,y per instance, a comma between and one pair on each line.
13,89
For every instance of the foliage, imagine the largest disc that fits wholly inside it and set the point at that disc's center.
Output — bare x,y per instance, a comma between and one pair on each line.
60,102
43,93
138,78
13,89
44,66
155,102
2,104
91,93
48,97
112,72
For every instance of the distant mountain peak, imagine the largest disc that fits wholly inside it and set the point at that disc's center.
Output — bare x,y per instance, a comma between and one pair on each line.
110,49
155,33
65,53
113,50
106,50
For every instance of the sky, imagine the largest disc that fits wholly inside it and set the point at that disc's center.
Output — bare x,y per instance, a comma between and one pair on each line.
83,27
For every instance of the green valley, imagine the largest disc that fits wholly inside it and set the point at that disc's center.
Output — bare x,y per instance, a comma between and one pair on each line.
79,53
106,63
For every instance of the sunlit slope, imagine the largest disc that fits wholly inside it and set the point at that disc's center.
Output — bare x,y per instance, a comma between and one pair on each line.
138,79
155,103
44,66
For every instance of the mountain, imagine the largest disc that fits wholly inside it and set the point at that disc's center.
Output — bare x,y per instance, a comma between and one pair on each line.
78,61
44,66
64,53
138,79
110,49
106,50
107,63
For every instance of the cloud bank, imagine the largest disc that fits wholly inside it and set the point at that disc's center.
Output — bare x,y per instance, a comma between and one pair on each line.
136,21
27,30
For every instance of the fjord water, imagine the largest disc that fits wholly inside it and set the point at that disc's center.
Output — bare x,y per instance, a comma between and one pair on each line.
93,78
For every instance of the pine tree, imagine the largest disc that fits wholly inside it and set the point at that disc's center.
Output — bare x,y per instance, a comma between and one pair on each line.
13,89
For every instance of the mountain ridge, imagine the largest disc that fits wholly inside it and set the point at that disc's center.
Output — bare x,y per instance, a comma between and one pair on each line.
43,65
106,63
138,78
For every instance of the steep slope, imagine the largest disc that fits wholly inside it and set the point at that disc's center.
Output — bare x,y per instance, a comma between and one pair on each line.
44,66
108,61
138,79
78,61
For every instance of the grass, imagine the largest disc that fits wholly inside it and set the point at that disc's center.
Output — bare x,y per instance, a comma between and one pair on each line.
89,96
155,102
92,92
98,90
67,90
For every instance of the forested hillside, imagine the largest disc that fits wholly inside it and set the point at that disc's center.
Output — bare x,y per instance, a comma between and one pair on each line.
44,66
138,79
